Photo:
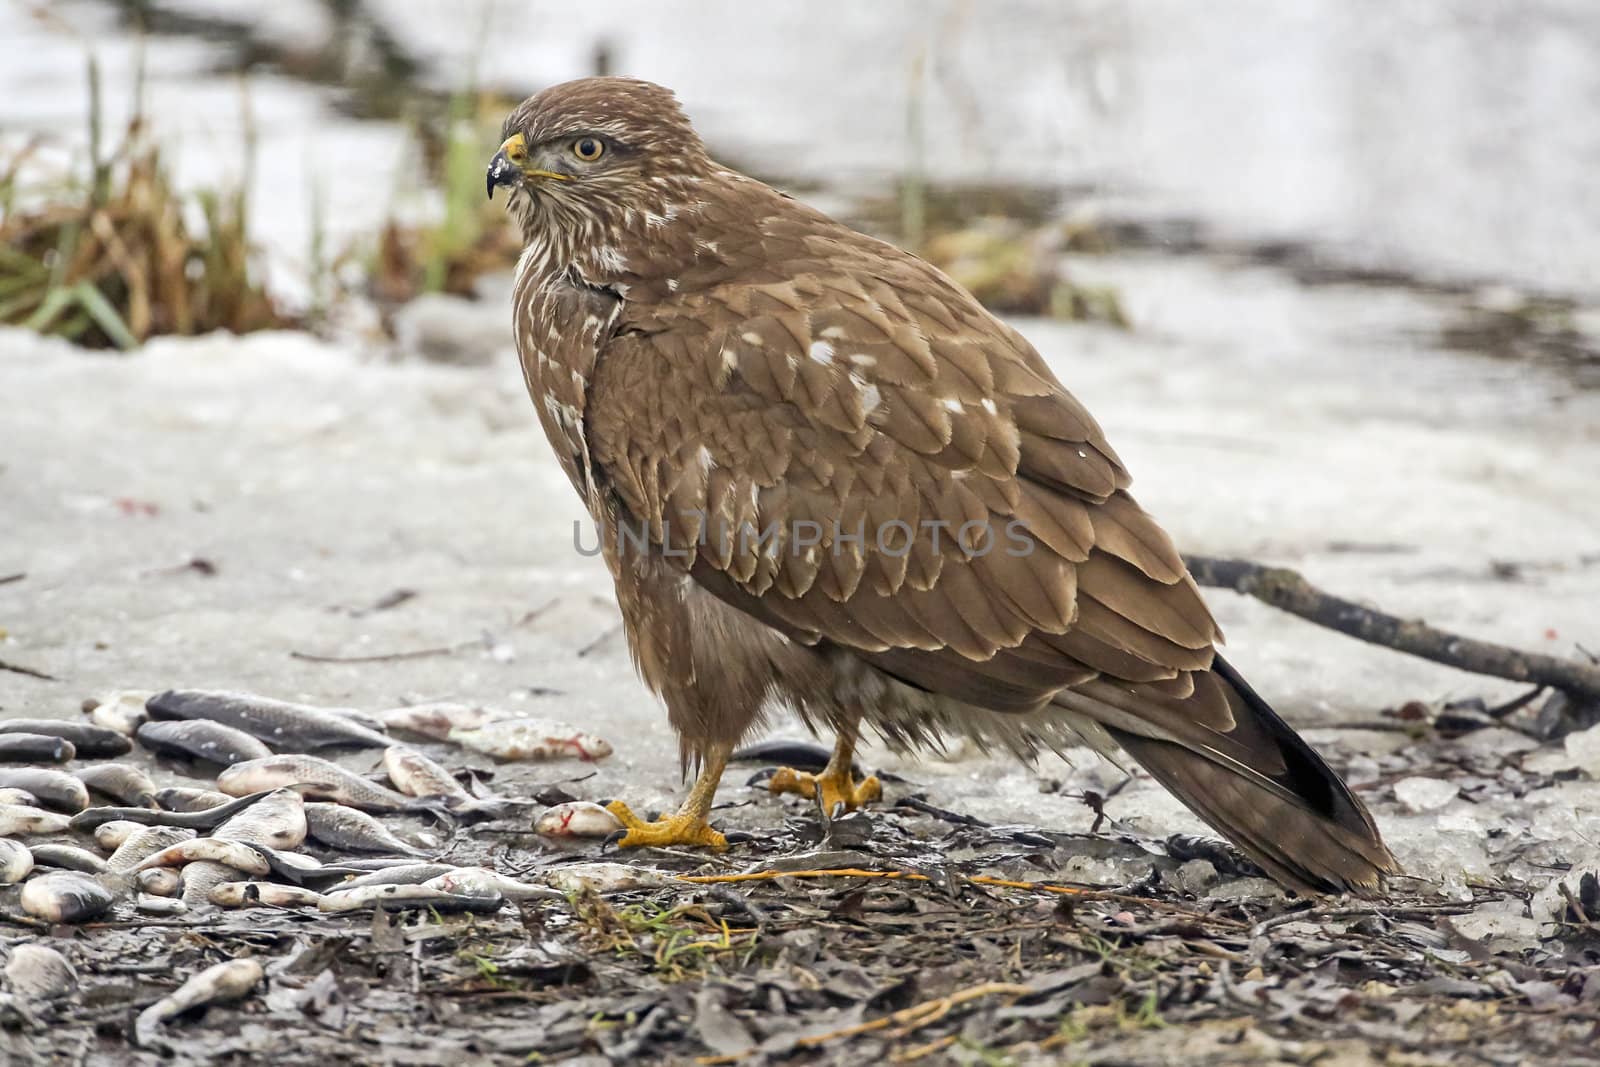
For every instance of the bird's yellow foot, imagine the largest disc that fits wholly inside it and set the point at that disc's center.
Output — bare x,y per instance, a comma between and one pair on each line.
676,829
831,787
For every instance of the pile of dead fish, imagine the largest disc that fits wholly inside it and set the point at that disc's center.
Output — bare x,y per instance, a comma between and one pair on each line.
236,841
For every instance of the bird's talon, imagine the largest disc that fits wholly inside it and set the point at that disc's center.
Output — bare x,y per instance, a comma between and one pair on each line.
669,830
835,791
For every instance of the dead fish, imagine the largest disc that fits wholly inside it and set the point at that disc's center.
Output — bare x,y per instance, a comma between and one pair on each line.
110,835
205,819
35,748
414,774
67,858
263,895
777,751
16,861
343,827
410,898
436,720
531,739
66,897
360,718
403,874
157,905
319,778
482,881
160,882
19,796
602,878
182,798
39,971
56,790
90,741
284,726
235,854
577,818
221,982
278,822
143,844
202,739
121,782
18,821
121,711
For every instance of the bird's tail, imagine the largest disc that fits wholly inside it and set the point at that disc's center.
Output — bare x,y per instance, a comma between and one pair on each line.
1228,756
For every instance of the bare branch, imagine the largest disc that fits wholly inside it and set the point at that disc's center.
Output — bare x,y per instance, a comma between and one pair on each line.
1287,590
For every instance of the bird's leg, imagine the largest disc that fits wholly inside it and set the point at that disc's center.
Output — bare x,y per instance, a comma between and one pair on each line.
688,826
834,786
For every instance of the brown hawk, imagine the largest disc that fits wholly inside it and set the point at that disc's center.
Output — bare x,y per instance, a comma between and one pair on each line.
826,478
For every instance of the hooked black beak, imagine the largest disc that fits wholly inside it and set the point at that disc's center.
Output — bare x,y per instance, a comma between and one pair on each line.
502,172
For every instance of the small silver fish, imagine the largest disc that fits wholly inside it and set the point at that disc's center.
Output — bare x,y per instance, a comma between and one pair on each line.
158,905
414,774
235,854
602,878
409,898
221,982
263,895
531,739
111,835
66,897
122,782
342,827
318,778
276,821
577,818
67,858
482,881
16,861
284,726
89,741
56,790
121,711
404,874
202,739
39,971
181,798
145,842
160,882
437,719
17,821
35,748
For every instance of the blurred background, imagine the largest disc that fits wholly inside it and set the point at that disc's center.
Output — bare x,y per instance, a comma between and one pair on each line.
1440,144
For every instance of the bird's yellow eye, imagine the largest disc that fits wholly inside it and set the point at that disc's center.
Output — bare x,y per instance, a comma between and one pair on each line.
588,149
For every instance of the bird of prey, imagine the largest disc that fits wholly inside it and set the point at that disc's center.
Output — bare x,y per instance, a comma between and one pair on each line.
826,478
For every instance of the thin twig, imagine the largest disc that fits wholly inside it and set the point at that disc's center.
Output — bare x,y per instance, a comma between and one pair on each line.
389,657
15,668
7,579
1288,590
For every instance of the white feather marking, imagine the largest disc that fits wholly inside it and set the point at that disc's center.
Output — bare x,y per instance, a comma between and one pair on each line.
821,352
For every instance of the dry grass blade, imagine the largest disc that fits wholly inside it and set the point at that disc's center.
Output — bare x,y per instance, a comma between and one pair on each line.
113,263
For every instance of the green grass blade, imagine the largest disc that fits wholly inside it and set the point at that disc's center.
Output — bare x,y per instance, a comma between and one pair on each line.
105,316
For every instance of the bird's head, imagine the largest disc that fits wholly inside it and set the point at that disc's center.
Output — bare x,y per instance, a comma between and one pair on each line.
591,156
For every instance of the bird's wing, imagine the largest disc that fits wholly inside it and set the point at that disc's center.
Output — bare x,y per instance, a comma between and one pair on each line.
849,447
797,438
